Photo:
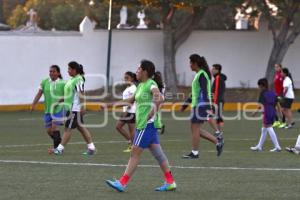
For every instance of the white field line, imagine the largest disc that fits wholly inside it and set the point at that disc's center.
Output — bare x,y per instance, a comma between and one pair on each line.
122,141
146,166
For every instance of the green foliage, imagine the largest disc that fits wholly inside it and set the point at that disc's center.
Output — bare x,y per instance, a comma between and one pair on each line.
66,17
18,17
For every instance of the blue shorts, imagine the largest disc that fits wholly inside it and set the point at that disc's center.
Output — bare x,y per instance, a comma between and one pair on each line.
145,137
56,119
201,113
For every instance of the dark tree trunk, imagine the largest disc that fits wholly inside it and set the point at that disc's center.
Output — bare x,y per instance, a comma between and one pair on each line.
169,60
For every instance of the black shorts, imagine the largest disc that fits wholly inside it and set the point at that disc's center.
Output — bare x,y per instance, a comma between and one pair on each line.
201,114
287,103
218,112
74,120
128,118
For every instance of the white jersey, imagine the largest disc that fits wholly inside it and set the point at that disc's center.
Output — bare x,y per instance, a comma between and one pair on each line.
288,86
79,88
128,93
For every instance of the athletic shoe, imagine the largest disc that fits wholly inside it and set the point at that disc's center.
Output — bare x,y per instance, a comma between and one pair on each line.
276,124
289,149
220,144
116,185
256,148
191,156
282,125
128,150
293,150
55,151
167,187
288,126
275,150
89,152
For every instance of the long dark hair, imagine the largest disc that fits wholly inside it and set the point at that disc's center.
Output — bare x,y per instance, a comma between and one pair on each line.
133,76
159,80
56,67
78,68
201,63
148,66
287,73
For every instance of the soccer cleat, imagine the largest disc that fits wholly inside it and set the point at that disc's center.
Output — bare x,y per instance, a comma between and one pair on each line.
220,144
288,126
89,152
116,185
167,187
256,148
128,150
55,151
282,125
293,150
276,124
190,156
289,149
276,150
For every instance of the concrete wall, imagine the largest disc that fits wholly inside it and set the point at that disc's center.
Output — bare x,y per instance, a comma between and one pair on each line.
26,57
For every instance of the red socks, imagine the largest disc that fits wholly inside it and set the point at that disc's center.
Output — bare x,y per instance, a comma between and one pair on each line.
124,179
168,177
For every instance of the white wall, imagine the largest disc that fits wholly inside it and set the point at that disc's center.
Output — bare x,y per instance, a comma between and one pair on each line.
25,58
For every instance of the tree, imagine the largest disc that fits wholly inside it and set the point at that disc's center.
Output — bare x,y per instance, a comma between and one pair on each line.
284,22
176,33
66,17
288,19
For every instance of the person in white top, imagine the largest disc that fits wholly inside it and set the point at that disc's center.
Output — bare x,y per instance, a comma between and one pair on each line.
128,115
288,97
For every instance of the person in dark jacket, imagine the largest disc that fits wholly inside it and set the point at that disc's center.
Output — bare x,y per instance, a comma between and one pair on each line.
218,92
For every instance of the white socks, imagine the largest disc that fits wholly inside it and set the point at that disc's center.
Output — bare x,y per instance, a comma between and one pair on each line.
60,147
273,137
298,142
91,146
262,137
195,152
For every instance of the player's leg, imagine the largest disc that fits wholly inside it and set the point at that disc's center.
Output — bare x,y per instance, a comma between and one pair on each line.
134,159
120,128
273,137
262,140
163,162
91,149
195,130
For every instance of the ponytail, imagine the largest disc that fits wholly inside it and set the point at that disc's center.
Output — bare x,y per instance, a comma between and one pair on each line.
201,63
159,81
133,76
77,67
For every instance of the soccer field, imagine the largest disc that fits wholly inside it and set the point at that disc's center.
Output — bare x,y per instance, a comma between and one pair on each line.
28,172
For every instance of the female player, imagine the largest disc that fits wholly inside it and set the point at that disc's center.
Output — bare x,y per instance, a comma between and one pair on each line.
288,97
201,107
73,92
148,100
278,89
53,90
268,99
128,115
